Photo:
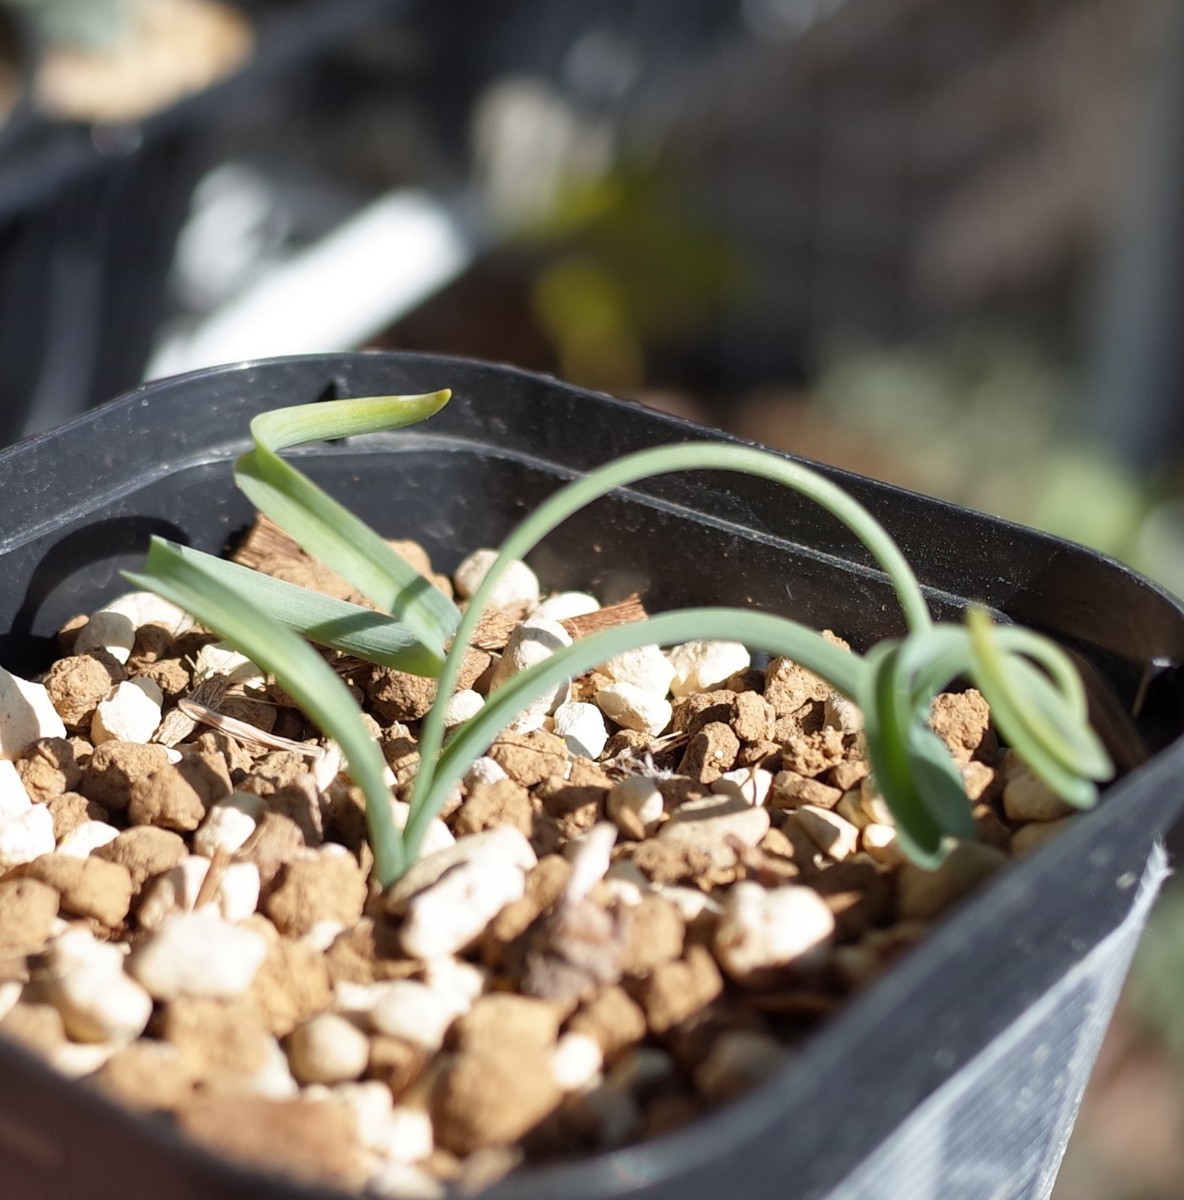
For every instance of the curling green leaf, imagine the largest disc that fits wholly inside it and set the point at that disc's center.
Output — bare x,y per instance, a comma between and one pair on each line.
328,530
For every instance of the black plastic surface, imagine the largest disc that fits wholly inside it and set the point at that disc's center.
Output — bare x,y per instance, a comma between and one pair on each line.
81,502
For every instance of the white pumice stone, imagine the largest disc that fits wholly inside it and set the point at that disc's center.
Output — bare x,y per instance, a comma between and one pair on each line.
450,915
645,667
461,706
700,665
77,1060
177,890
842,713
273,1080
404,1181
229,824
219,658
107,630
576,1062
531,642
26,836
327,1048
633,707
691,903
484,770
322,935
130,713
408,1135
26,714
147,608
832,834
99,1003
409,1009
582,727
750,784
881,843
562,606
85,837
764,928
199,955
327,765
503,843
14,798
10,993
370,1102
456,983
875,807
519,585
635,801
238,891
437,835
590,854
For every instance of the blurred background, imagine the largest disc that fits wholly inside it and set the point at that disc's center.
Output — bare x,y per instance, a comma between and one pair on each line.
937,243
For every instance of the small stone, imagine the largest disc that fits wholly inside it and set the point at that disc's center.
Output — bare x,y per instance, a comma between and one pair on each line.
115,767
78,683
633,707
462,706
562,606
753,719
924,895
842,713
86,837
714,825
327,1049
1027,798
229,824
26,714
791,790
177,797
881,843
737,1062
679,990
99,1003
702,665
763,930
450,915
198,954
576,1062
26,836
518,585
505,843
110,631
612,1019
130,713
1029,838
710,752
89,887
484,770
645,667
27,912
532,642
582,727
492,1097
412,1011
14,796
330,887
145,851
146,1076
832,834
750,784
961,720
489,806
635,805
789,686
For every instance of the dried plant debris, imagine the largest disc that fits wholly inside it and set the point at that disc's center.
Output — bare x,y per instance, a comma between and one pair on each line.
632,910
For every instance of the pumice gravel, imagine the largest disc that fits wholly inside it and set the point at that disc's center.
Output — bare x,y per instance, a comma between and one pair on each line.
630,911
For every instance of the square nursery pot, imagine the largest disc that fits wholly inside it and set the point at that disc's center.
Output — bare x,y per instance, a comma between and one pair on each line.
956,1076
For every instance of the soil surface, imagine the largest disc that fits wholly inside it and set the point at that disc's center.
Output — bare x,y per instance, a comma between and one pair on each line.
631,912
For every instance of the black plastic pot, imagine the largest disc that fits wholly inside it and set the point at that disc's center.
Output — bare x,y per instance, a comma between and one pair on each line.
957,1076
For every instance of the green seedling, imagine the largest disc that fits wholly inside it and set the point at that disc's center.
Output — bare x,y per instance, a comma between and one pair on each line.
1035,693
